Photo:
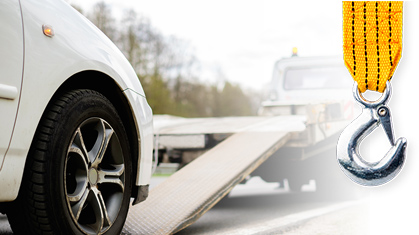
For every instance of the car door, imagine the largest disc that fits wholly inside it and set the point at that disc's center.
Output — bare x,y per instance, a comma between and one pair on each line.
11,69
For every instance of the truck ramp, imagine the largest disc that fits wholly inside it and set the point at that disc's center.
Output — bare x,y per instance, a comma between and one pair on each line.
190,192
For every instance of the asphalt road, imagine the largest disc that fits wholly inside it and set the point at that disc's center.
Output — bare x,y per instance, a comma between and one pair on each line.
274,211
288,213
278,214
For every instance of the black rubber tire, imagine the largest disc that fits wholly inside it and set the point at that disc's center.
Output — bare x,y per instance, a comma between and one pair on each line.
41,206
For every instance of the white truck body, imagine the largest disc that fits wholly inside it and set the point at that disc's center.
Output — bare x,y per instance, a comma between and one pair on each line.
313,92
293,138
316,87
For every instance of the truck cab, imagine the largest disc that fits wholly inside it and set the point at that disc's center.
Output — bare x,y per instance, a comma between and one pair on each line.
319,90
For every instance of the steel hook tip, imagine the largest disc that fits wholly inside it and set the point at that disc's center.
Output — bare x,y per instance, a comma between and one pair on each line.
352,164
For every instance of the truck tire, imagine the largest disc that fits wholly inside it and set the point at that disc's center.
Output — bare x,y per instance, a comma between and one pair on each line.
78,174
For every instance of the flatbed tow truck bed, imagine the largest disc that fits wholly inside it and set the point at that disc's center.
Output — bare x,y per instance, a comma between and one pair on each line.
299,124
190,192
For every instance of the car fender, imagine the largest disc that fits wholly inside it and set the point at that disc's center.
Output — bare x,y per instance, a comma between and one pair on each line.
77,45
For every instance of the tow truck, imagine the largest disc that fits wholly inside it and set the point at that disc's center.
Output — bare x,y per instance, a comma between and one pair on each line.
297,127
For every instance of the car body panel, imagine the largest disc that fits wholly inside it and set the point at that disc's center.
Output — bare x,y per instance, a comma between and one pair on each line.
11,66
49,61
144,116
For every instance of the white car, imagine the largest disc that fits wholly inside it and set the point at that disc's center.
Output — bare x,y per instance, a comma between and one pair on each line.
76,129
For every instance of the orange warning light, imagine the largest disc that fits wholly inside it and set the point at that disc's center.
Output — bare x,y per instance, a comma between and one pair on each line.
294,51
48,31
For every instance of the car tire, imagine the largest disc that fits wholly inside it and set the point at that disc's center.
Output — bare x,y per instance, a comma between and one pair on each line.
78,174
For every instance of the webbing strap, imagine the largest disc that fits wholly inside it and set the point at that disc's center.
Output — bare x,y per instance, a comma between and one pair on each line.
372,41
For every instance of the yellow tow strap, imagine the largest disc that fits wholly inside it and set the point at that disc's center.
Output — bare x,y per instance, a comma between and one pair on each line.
372,41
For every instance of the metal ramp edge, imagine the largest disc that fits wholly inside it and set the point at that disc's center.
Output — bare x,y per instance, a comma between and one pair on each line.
189,193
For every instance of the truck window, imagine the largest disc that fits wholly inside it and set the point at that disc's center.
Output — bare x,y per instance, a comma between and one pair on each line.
317,78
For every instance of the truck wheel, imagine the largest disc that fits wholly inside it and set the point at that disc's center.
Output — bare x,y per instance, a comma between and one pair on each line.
78,174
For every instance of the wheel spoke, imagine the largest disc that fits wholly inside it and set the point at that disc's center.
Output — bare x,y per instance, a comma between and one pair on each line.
75,173
78,146
107,176
105,133
77,195
100,211
78,207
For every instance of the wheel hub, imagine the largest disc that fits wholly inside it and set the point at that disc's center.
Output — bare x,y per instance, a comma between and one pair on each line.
93,176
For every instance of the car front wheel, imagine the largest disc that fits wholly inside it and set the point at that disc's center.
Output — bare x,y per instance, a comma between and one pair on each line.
78,174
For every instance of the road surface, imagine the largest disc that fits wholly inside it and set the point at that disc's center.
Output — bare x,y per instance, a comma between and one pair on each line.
274,210
283,214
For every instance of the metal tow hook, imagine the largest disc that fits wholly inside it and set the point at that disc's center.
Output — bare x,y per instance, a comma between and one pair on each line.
357,169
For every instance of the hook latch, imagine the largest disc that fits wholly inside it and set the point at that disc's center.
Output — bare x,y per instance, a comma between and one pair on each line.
352,164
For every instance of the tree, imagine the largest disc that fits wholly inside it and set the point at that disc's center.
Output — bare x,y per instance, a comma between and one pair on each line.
101,16
232,101
158,95
165,66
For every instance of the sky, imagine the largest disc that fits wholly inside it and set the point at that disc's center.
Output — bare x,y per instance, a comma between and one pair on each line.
245,38
242,39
